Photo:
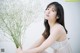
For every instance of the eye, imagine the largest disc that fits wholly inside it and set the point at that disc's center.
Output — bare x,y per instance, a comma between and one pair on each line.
47,9
53,10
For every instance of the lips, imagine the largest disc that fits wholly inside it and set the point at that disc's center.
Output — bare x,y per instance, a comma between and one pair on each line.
47,15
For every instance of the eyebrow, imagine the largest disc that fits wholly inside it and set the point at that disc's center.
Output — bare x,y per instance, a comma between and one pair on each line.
52,8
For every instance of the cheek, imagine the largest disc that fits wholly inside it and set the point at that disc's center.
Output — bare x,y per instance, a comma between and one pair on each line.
53,15
45,17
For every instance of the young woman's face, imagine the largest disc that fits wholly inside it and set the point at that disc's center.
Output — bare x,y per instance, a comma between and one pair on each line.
50,13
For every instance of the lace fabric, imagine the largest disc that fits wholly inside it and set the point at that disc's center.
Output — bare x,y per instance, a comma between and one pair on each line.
61,47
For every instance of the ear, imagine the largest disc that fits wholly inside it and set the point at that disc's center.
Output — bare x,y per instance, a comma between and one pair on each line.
57,17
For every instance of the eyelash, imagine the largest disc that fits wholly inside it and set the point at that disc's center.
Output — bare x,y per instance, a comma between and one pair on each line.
48,9
53,10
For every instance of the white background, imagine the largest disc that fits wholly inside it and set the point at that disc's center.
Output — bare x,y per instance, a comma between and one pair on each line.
33,32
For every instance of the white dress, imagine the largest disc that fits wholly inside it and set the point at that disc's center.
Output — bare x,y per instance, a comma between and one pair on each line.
62,47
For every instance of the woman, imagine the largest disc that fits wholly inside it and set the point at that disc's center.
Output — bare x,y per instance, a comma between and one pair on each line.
55,33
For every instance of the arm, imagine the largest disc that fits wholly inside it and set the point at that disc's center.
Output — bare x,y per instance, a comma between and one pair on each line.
38,42
54,35
33,47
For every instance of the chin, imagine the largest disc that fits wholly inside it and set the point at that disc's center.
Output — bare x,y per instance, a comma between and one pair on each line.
46,18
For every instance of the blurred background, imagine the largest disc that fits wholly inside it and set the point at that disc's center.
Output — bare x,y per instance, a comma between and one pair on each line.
32,14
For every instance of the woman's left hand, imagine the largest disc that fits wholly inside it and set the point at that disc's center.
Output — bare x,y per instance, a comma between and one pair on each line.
34,50
19,50
30,51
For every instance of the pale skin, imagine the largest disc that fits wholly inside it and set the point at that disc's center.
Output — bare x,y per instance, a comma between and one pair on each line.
57,33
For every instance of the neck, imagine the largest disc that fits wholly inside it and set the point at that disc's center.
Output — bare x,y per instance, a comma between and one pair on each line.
51,23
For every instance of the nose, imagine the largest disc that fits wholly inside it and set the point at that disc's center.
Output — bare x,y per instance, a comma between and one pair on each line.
48,12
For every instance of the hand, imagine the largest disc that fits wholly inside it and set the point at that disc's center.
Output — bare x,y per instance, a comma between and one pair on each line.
19,50
31,51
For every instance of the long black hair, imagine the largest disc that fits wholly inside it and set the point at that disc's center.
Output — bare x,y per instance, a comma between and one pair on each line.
60,14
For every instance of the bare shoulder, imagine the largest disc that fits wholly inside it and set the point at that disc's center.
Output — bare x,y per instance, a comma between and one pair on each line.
58,28
59,32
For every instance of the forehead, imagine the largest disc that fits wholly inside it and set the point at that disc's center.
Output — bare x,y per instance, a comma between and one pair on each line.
52,6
